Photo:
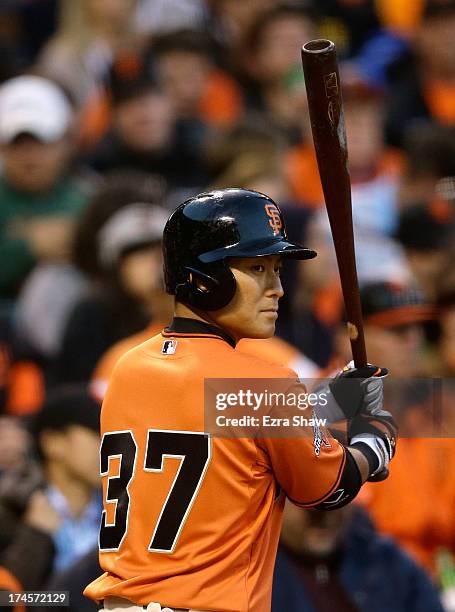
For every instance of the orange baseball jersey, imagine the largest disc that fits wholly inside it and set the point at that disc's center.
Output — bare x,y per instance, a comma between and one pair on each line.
274,350
192,520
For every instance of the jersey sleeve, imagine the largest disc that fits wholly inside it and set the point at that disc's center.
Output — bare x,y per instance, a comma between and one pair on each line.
307,461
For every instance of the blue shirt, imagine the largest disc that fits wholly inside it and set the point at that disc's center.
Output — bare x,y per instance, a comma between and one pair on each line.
75,536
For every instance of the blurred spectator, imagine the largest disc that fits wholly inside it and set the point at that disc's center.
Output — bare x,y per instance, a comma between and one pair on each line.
42,309
232,19
74,579
90,34
127,260
14,443
374,169
146,136
271,63
426,231
210,95
251,155
430,162
30,553
423,85
444,358
318,299
337,561
393,325
415,503
39,193
66,431
27,520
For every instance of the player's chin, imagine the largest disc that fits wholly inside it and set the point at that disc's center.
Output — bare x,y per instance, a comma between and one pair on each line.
263,328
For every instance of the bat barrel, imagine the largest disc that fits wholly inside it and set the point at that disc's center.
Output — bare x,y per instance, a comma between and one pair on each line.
325,106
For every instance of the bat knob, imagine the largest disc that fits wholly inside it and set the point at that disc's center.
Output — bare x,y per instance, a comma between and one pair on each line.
380,476
320,45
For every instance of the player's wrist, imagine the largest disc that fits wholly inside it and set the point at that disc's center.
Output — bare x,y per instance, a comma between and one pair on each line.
375,451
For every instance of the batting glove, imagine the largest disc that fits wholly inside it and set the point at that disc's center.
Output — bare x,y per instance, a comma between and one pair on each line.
359,394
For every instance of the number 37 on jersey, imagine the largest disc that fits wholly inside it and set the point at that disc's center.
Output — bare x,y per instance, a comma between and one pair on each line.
194,451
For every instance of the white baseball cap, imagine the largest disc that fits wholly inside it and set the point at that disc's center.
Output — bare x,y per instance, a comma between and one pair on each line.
132,226
33,105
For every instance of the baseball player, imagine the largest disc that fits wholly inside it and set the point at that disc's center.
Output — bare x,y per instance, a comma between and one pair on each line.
191,521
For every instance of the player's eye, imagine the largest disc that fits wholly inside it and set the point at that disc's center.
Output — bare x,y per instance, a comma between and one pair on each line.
258,268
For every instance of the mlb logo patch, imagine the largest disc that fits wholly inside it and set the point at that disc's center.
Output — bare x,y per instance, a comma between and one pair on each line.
169,347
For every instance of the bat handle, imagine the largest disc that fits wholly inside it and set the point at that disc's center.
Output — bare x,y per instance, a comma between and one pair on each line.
356,337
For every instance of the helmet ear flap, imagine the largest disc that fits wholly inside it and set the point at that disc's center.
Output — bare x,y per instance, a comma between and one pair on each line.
207,291
201,281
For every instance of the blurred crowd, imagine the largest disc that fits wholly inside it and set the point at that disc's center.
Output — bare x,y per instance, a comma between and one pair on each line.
114,111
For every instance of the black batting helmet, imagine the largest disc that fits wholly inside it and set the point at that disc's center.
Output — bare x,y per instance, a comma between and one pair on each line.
205,230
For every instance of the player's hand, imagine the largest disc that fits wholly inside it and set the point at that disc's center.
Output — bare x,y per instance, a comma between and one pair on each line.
358,389
359,393
352,390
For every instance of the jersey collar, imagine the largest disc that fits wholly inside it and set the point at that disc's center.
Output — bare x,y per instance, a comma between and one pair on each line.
183,326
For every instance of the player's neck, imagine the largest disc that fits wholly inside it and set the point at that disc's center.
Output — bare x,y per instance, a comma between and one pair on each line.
181,310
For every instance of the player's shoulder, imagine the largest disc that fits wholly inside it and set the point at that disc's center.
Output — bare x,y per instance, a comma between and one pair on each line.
257,365
140,353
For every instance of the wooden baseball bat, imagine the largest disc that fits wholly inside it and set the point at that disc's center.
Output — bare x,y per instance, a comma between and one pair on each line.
325,104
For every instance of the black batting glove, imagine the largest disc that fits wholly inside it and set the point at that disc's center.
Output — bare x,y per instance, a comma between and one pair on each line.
359,393
357,389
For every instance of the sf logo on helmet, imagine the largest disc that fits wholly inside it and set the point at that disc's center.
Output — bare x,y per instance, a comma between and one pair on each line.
275,219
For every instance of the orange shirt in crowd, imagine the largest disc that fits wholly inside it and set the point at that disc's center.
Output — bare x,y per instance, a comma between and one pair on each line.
302,173
23,383
440,98
10,584
401,15
221,106
222,102
210,544
416,503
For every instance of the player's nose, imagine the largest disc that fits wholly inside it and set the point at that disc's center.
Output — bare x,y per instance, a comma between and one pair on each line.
275,288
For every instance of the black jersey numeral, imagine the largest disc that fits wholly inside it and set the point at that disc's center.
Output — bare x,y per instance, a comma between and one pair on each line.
194,450
117,445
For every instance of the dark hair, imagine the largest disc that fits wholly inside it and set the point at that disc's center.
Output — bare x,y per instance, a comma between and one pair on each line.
435,9
63,407
185,40
430,150
422,228
253,135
